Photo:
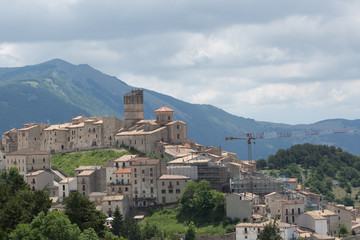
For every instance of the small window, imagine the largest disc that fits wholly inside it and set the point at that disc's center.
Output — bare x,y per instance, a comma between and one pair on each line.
135,181
163,191
177,190
170,191
143,179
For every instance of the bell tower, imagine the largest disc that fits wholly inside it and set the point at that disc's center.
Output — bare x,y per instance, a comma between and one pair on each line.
133,107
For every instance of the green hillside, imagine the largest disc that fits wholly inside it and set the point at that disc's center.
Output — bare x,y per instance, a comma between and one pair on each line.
55,91
320,167
67,162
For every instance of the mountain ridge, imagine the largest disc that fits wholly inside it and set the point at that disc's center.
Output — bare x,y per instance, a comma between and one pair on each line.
82,90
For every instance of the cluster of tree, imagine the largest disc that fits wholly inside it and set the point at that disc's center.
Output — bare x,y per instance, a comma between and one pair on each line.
322,166
18,204
201,205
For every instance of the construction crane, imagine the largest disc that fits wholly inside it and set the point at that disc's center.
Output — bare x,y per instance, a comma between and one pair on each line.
250,137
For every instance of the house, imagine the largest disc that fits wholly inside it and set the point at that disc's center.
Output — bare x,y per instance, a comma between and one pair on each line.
250,231
240,205
344,214
287,210
314,221
145,173
66,186
28,160
170,188
39,179
109,204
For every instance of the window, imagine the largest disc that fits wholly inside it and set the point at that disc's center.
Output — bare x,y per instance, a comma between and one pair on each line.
163,191
177,182
33,160
43,159
170,191
151,181
143,171
109,202
163,183
63,187
135,175
178,136
151,174
150,169
177,190
135,181
143,179
298,210
151,190
126,189
245,230
134,169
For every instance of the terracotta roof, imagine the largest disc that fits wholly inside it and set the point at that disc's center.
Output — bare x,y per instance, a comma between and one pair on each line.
143,161
164,109
27,152
166,176
125,158
35,173
262,224
86,173
123,171
67,180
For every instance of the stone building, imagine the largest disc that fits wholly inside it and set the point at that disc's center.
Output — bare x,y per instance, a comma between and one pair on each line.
287,210
93,180
240,205
109,204
170,188
250,231
81,134
145,173
39,179
144,135
28,160
344,214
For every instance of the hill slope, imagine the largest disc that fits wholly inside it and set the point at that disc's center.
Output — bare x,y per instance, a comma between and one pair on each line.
56,91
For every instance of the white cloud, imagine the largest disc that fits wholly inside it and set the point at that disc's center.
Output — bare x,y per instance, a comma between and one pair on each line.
278,61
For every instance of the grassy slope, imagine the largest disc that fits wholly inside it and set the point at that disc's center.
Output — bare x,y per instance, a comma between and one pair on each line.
67,162
165,220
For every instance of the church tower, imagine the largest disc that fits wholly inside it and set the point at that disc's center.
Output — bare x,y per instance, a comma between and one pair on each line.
133,107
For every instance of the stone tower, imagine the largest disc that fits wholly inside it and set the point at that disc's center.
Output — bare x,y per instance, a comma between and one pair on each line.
164,115
133,107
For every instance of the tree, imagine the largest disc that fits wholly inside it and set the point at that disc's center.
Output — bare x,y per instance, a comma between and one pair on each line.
88,234
55,225
118,223
149,231
82,212
190,233
343,231
201,204
132,229
18,204
270,232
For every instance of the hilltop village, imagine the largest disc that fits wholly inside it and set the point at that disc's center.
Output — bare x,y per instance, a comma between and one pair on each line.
137,184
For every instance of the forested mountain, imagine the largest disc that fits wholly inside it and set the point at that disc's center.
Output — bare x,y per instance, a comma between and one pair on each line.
56,91
317,166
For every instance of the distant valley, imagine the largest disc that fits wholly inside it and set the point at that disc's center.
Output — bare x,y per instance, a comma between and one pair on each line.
55,91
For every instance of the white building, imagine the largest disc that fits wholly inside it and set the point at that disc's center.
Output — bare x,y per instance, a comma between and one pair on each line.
2,161
313,221
66,186
250,231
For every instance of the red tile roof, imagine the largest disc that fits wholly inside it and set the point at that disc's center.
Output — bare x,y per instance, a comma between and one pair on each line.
123,171
164,109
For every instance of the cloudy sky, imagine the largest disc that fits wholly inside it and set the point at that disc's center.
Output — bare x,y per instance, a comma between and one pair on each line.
280,61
